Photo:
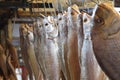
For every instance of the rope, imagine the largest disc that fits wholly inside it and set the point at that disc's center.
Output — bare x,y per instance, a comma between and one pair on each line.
70,2
54,7
61,8
83,2
44,8
57,3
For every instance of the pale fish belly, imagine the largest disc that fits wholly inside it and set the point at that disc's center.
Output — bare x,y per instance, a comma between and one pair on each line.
90,69
52,61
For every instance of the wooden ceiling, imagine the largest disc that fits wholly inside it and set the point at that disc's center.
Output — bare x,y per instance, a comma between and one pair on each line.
33,8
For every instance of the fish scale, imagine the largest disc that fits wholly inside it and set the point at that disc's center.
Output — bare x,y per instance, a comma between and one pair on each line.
106,41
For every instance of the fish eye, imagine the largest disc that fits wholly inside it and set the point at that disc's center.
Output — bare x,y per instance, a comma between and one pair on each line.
85,20
99,20
60,18
46,24
72,13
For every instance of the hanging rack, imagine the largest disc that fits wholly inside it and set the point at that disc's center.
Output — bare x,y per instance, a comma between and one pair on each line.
58,6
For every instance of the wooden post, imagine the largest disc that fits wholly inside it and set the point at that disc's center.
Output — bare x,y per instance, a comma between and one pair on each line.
10,29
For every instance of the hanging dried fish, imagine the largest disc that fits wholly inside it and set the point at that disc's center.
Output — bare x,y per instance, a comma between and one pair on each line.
72,54
105,39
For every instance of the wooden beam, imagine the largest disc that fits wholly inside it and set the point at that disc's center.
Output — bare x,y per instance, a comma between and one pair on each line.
18,4
36,13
